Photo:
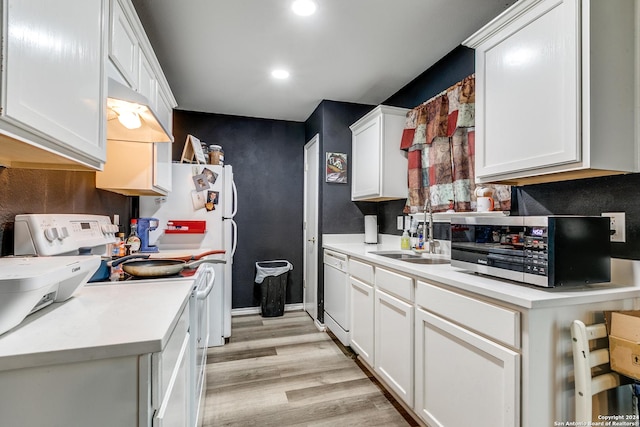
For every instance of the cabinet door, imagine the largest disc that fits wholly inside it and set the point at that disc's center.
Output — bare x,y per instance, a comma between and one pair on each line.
362,320
394,344
366,160
174,409
162,171
164,109
463,379
528,91
124,50
148,84
136,169
55,68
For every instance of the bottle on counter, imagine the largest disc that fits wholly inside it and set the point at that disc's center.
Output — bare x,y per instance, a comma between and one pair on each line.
115,247
405,241
121,248
133,241
420,244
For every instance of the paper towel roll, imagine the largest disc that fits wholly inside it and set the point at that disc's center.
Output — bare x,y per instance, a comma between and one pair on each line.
370,229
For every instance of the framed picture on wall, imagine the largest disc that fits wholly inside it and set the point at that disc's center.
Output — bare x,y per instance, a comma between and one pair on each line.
336,168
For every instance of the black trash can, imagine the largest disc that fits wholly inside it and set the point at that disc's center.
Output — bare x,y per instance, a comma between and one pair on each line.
272,277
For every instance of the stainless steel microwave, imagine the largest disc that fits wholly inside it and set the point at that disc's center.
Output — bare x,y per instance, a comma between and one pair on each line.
545,251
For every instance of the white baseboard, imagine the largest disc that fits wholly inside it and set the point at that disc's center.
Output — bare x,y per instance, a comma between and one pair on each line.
320,326
256,310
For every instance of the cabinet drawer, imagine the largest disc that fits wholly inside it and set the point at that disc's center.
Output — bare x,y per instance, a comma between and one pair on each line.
361,270
499,323
395,283
164,363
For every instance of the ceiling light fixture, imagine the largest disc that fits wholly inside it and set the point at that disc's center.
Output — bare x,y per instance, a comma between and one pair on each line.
280,74
304,7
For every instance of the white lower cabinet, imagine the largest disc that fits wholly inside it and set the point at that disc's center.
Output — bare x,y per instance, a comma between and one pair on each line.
463,379
394,331
394,344
148,389
466,355
362,319
458,358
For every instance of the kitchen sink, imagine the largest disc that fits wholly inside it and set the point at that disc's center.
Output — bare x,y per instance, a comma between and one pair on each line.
413,258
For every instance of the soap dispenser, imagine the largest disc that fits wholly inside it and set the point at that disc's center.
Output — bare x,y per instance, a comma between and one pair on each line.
405,242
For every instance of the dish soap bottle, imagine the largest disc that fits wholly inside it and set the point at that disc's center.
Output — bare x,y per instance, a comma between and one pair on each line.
133,240
405,241
420,244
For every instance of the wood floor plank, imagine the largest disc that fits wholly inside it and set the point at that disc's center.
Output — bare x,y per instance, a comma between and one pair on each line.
293,388
284,372
240,354
268,342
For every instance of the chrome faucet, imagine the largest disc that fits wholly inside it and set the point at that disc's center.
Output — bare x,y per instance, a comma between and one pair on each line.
431,244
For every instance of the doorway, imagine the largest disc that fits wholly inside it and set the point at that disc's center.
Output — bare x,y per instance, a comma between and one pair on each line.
310,226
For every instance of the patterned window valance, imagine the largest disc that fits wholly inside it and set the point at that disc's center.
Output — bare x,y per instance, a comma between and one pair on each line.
439,137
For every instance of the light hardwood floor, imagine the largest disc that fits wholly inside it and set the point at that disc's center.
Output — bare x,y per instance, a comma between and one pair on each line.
283,372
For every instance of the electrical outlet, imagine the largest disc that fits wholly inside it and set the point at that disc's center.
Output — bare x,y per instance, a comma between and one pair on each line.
407,222
617,226
400,223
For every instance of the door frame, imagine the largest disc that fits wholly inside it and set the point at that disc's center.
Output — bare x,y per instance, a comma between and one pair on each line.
311,152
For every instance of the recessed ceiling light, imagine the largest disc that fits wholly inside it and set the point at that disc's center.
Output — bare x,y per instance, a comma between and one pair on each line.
280,74
304,7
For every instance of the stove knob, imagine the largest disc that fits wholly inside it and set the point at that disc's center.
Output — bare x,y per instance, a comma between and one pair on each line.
51,234
63,233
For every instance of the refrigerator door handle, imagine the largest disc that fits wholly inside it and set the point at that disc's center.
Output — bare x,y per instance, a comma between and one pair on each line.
234,245
235,198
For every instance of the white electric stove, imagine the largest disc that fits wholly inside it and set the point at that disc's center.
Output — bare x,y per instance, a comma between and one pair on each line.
52,238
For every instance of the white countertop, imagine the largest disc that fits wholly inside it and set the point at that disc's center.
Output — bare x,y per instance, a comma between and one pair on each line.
100,321
522,295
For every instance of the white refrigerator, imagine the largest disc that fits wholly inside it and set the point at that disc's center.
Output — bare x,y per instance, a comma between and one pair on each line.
200,193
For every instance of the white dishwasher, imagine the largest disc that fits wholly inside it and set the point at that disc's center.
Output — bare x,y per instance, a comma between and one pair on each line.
336,295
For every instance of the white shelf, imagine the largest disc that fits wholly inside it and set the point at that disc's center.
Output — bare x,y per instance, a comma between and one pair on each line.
446,216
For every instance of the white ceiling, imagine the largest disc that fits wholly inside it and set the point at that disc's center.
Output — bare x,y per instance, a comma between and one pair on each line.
218,54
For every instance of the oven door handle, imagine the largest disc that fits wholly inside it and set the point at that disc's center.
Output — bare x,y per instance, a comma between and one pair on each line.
210,278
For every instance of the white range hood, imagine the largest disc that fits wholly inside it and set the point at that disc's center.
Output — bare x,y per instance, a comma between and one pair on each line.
143,125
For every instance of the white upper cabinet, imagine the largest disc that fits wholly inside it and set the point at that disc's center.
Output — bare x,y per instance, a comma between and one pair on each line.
147,81
555,94
53,84
123,45
137,168
379,167
134,63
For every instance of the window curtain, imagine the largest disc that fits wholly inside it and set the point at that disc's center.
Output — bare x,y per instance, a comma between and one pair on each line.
439,138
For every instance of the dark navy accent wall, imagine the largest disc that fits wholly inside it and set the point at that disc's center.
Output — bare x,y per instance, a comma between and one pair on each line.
591,196
267,160
338,214
453,67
